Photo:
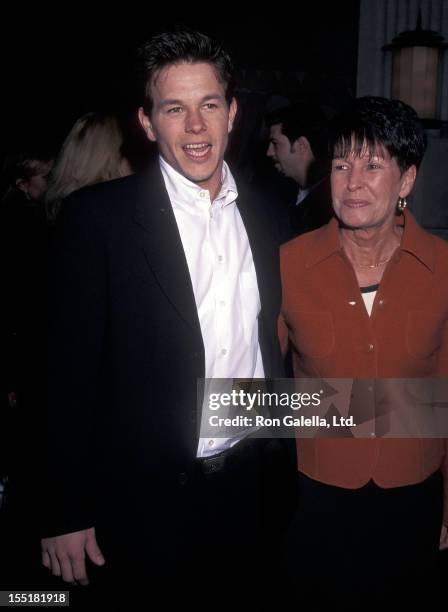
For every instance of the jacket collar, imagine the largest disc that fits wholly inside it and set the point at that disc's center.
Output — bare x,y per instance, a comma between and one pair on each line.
165,254
416,241
162,246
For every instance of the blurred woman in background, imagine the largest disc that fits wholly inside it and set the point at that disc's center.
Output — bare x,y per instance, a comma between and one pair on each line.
91,153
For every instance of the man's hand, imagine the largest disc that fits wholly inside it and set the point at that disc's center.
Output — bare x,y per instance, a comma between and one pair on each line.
64,555
444,538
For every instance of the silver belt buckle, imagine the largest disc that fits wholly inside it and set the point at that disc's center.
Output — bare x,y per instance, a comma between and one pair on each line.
213,464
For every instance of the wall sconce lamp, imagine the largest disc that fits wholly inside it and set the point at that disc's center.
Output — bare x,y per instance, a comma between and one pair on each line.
416,68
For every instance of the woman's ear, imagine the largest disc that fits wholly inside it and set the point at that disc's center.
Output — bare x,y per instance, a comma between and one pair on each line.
408,180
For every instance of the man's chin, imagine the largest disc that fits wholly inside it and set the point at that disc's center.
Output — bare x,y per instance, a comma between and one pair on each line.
198,175
199,179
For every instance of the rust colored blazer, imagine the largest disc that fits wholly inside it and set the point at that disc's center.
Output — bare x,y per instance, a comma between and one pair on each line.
331,335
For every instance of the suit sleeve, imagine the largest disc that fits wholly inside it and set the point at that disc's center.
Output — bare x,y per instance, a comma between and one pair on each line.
282,326
76,334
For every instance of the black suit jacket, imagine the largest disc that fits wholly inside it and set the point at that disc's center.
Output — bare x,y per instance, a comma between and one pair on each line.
126,350
314,211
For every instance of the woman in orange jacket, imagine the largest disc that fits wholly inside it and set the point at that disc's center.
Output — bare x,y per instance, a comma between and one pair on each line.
366,297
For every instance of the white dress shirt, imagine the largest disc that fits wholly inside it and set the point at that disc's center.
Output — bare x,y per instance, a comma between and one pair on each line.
224,281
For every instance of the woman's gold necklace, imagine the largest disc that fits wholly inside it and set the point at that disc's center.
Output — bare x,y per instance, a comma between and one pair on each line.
375,265
378,264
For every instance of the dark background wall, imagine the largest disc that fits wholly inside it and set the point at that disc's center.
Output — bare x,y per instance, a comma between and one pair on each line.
58,65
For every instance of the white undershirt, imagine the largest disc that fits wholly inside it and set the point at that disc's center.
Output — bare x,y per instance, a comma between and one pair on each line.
369,298
224,281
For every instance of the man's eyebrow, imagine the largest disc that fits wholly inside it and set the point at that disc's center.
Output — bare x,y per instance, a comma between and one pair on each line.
212,97
171,102
175,102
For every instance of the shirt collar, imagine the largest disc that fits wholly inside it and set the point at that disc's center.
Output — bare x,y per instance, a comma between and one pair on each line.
418,242
182,189
303,193
415,241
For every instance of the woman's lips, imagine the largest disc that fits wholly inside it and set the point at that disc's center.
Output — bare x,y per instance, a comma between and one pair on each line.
356,203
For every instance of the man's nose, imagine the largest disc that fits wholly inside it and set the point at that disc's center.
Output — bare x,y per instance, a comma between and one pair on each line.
194,122
270,152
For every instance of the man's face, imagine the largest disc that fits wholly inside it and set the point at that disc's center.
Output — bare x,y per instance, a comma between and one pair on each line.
281,151
190,121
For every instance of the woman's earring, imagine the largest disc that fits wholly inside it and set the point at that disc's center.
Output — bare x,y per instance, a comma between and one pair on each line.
401,204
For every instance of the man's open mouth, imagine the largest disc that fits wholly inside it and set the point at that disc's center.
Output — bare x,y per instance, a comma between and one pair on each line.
197,150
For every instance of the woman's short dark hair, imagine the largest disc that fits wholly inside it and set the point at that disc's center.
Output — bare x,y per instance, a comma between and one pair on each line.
379,123
178,46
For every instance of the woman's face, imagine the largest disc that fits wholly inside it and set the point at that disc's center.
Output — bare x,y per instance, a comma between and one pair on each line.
365,188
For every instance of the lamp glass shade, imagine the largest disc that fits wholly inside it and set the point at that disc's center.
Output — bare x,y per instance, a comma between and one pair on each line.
414,78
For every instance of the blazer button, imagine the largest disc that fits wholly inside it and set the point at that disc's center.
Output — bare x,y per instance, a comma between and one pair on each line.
182,479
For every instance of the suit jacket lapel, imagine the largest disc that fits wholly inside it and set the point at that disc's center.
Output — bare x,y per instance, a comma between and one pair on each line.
263,249
163,245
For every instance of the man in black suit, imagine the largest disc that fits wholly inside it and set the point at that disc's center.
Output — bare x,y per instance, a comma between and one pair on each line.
298,148
161,279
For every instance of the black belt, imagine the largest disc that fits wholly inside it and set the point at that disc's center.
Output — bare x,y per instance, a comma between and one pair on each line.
211,465
217,463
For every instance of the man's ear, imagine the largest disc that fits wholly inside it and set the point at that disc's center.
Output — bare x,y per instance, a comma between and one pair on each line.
232,114
301,145
146,124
